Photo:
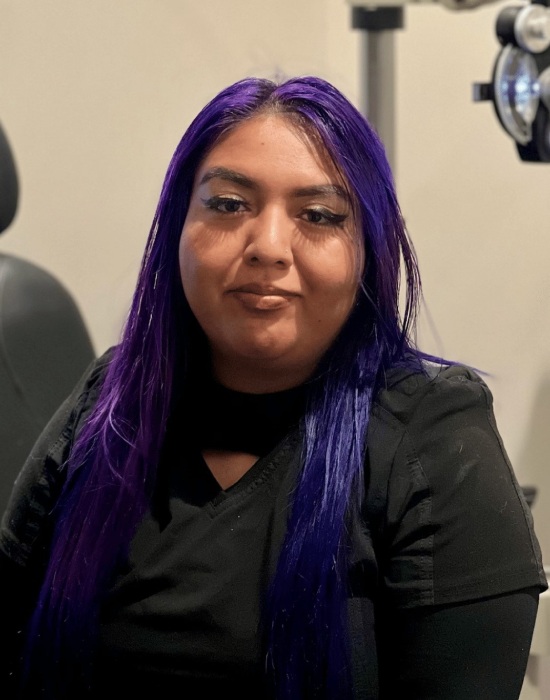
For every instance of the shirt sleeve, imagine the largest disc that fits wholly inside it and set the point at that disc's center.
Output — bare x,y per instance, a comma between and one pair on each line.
456,526
458,652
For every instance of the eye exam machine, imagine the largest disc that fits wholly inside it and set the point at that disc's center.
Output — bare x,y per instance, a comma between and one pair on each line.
519,87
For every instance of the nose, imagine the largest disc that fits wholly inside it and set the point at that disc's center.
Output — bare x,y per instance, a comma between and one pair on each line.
269,239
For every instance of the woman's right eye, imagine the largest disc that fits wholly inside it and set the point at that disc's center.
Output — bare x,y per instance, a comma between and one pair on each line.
225,205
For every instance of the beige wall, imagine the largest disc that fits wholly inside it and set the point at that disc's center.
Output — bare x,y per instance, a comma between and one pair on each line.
94,96
480,218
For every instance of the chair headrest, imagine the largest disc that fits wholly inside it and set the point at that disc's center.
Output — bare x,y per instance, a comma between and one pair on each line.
9,185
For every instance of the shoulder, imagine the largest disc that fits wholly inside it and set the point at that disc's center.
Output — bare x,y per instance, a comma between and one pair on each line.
87,389
72,413
453,514
444,427
410,396
96,370
414,408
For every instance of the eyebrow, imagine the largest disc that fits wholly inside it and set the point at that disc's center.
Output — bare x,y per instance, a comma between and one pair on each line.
322,190
244,181
230,175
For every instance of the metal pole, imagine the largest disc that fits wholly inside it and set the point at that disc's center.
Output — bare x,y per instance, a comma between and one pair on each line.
378,97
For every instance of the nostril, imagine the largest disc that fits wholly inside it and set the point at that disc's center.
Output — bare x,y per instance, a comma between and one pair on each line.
267,252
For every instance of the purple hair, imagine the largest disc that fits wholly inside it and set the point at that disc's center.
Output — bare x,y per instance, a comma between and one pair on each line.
111,471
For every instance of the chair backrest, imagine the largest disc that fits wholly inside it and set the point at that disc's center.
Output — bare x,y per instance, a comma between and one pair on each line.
44,343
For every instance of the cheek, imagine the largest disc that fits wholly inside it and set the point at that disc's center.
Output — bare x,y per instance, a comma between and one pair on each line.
205,265
194,251
336,271
187,263
193,265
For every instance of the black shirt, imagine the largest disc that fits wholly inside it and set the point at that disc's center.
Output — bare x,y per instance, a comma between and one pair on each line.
444,527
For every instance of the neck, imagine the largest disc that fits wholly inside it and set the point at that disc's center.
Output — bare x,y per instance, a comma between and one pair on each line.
258,378
229,420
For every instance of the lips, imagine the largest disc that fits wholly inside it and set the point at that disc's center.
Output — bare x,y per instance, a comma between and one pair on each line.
264,290
259,297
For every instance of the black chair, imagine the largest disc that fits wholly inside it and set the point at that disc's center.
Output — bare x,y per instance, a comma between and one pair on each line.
44,342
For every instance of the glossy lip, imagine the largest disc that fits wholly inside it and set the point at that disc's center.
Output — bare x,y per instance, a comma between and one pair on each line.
264,290
258,297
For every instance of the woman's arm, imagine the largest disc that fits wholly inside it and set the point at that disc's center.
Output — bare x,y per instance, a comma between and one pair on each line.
466,651
459,562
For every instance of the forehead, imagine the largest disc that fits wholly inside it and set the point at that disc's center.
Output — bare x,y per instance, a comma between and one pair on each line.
271,144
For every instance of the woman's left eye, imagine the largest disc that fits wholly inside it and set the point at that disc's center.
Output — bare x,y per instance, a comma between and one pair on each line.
323,217
225,205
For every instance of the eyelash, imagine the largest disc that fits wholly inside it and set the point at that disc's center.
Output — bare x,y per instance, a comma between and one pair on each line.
329,219
216,203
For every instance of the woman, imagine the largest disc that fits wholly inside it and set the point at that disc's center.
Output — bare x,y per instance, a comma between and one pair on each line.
265,488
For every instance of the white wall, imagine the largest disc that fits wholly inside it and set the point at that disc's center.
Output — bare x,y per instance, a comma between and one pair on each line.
95,95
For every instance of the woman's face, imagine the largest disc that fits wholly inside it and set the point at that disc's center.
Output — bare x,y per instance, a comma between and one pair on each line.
268,255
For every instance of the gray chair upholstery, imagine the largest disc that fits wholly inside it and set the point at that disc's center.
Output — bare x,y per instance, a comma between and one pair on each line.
44,343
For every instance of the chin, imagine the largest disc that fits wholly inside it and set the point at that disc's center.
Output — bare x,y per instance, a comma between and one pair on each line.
270,343
268,352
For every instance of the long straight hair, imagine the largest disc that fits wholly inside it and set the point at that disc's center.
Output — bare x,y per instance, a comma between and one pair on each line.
112,467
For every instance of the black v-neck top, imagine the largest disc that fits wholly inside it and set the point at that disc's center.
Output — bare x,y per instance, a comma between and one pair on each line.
185,614
443,556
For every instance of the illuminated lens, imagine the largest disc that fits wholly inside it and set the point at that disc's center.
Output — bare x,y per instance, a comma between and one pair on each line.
526,89
517,92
